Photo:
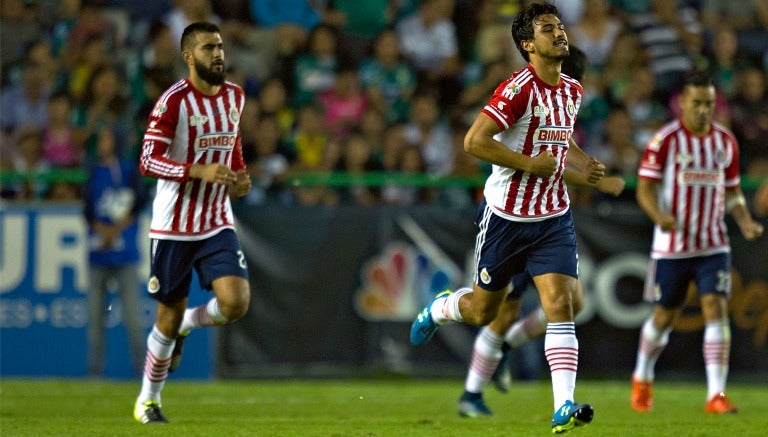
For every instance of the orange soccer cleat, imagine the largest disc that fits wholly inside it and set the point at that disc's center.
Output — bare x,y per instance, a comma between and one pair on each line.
720,404
642,396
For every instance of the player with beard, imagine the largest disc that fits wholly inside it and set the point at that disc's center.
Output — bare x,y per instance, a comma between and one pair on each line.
524,222
192,146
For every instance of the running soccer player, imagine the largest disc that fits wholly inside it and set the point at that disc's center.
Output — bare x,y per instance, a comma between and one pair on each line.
491,350
524,221
192,146
688,179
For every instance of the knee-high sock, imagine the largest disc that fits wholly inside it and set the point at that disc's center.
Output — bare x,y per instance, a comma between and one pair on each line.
485,358
531,326
202,316
652,344
447,308
717,348
159,348
562,351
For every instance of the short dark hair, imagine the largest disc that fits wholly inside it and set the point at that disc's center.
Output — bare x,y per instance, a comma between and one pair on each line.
698,77
575,64
522,26
188,37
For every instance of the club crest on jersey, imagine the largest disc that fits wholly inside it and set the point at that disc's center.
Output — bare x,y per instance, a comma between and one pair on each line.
234,115
540,111
215,141
570,108
721,157
197,120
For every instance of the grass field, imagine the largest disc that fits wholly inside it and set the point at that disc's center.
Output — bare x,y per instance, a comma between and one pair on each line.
63,408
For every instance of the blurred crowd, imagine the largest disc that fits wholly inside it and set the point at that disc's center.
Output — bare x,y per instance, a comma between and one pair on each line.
355,87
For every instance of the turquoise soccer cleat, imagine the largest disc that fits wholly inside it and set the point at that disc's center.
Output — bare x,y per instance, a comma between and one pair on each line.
570,416
423,328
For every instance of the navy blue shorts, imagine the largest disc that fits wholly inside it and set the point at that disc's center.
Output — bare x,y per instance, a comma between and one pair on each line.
172,263
506,248
668,279
520,283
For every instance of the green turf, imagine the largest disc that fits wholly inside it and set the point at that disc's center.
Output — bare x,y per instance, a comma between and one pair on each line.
359,408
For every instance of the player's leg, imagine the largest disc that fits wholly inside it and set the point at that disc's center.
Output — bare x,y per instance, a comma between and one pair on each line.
534,324
171,275
714,284
486,355
666,287
497,258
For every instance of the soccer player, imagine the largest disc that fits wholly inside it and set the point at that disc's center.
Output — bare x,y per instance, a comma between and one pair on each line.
524,222
492,345
192,146
688,179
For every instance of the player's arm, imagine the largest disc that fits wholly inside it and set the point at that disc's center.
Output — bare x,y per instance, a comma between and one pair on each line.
612,185
591,167
736,205
479,143
242,184
647,198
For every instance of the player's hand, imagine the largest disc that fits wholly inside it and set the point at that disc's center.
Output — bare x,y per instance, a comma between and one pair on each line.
612,185
214,173
751,230
595,171
544,164
666,222
242,184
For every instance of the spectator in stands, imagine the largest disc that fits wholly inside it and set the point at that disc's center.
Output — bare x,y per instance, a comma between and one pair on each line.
748,18
618,149
723,60
388,79
266,160
274,100
59,147
19,26
621,63
103,106
647,113
114,196
27,161
359,24
27,102
310,139
596,32
93,56
373,127
474,95
409,162
160,54
315,68
428,40
356,160
672,38
749,111
291,21
430,131
344,103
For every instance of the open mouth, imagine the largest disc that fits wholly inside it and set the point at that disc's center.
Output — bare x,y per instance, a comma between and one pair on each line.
561,43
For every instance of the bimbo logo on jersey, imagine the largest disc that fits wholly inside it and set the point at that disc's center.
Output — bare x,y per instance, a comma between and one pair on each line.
552,135
216,141
700,177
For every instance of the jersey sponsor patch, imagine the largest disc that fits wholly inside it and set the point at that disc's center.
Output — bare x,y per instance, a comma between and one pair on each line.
216,141
552,135
197,120
700,177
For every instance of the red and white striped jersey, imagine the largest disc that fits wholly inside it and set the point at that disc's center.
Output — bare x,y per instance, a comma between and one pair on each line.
693,173
533,117
187,127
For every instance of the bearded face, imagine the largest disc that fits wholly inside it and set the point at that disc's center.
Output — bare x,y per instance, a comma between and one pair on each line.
214,73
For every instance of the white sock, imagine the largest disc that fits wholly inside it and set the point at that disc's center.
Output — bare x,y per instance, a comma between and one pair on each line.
159,348
486,355
652,343
717,348
531,326
202,316
562,351
447,308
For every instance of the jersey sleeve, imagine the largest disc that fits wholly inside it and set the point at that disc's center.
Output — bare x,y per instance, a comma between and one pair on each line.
507,104
154,160
732,173
654,157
